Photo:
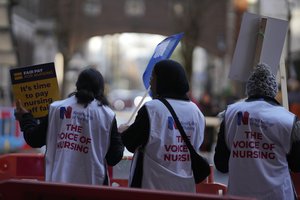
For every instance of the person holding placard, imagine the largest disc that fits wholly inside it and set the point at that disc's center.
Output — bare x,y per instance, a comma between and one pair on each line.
80,134
161,157
259,142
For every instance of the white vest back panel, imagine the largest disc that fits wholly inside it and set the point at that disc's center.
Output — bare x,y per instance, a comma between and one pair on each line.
258,135
78,139
167,163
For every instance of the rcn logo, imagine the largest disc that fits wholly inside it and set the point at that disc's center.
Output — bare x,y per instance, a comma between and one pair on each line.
171,123
243,117
65,112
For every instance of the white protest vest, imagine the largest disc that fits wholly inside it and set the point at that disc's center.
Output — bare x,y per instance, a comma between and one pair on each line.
78,139
167,163
258,135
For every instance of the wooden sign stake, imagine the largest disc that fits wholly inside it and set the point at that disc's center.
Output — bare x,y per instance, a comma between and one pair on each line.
259,41
282,70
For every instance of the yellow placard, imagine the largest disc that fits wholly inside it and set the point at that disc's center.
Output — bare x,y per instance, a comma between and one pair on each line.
36,86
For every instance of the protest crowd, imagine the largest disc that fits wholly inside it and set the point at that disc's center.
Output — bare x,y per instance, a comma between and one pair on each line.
176,143
253,142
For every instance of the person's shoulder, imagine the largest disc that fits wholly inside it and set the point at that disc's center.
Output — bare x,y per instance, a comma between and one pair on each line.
193,104
151,102
237,103
62,102
108,110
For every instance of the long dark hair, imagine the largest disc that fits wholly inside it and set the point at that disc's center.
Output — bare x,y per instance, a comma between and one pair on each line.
90,86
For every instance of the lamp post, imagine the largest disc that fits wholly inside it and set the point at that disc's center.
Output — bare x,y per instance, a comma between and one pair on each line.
288,57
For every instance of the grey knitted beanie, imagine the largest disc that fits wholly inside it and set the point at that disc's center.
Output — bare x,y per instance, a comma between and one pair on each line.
262,82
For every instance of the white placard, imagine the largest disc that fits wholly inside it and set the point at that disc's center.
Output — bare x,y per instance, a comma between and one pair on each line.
274,38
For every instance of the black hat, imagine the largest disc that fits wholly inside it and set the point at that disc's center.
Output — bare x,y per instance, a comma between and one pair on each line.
171,79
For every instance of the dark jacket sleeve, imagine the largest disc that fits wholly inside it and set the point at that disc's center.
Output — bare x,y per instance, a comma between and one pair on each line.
293,155
222,153
137,134
34,133
116,148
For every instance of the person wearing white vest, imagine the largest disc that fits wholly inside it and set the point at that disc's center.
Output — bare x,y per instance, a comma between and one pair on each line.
259,142
80,134
161,158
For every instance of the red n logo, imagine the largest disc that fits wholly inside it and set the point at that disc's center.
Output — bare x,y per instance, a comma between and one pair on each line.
243,117
65,112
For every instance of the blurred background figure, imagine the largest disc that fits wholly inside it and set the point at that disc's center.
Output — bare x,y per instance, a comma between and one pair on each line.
208,108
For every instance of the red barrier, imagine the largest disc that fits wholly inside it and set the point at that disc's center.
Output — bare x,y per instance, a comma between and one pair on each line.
35,190
22,166
204,188
211,188
208,186
31,166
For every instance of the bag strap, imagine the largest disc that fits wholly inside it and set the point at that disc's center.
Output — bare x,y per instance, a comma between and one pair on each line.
179,126
294,189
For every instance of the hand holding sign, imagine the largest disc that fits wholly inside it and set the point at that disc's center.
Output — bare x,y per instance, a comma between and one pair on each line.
20,110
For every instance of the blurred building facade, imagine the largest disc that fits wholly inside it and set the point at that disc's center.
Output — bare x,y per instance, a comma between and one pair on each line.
42,29
49,30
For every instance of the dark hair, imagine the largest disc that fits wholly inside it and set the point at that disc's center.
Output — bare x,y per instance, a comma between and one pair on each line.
171,80
90,86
